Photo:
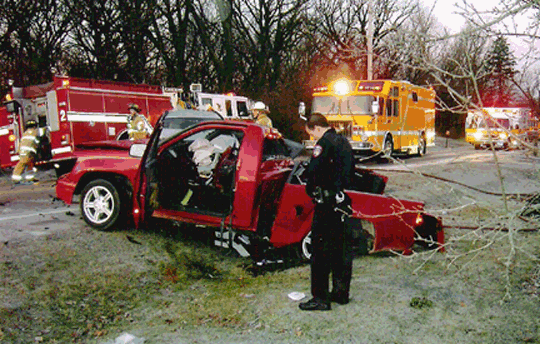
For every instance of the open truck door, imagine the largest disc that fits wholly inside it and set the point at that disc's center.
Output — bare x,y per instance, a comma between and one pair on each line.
192,177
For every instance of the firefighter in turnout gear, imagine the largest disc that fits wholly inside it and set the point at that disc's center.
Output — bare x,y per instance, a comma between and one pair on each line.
27,153
330,170
137,125
260,114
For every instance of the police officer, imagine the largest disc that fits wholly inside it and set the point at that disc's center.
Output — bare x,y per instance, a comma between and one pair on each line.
137,125
260,114
27,152
329,174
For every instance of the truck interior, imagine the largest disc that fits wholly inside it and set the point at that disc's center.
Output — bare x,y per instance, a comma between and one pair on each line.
197,173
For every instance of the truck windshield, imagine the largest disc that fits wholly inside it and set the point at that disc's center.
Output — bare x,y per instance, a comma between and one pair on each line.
496,123
351,105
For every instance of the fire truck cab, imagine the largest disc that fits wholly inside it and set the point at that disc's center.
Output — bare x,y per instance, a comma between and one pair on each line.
380,116
228,105
501,127
71,111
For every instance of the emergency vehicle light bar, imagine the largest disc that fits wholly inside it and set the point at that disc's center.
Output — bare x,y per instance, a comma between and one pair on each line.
321,89
371,86
195,88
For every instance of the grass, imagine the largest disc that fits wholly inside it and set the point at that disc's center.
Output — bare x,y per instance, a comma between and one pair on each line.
75,295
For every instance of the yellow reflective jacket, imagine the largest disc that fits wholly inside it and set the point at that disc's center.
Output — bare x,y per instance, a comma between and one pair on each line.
29,142
264,120
138,127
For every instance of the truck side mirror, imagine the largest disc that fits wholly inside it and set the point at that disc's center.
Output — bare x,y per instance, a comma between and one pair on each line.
302,111
375,107
137,150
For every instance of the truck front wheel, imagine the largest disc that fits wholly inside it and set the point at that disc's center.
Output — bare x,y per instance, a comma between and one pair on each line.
388,148
100,204
422,146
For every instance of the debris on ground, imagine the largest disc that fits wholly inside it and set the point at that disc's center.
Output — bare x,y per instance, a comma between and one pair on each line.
127,338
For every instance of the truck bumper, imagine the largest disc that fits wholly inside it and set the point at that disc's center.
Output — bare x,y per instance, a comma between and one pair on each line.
498,144
358,146
65,188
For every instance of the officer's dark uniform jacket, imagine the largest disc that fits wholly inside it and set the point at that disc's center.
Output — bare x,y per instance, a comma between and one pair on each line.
331,166
329,173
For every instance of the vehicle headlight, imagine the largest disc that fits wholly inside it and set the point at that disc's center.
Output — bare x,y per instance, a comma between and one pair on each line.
364,137
478,135
503,136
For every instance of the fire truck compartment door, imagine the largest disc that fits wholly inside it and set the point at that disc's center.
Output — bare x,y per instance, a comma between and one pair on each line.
52,111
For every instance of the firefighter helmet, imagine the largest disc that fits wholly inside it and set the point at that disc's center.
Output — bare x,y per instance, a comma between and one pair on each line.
260,106
31,124
134,107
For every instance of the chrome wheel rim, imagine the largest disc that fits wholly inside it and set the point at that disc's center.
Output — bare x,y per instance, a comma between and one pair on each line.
98,204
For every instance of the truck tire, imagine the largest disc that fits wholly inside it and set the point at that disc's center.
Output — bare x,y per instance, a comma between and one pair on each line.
388,147
422,146
100,204
304,248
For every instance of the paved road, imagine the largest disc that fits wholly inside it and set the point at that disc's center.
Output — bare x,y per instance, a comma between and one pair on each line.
33,210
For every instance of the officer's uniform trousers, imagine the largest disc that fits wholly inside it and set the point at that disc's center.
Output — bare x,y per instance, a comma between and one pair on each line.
331,253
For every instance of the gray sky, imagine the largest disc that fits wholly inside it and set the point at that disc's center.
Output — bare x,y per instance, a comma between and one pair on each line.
447,13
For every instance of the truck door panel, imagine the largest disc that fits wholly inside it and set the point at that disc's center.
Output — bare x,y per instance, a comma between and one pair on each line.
268,197
88,130
294,216
275,169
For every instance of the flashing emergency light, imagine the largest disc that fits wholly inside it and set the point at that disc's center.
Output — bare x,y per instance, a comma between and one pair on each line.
230,94
342,87
271,133
65,83
8,97
321,89
419,219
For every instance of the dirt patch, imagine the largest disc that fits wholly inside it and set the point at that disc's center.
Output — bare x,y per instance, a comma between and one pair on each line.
169,286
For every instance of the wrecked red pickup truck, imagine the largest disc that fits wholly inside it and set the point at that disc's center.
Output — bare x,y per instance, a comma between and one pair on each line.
238,179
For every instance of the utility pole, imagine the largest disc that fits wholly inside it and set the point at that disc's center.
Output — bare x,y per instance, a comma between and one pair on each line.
370,41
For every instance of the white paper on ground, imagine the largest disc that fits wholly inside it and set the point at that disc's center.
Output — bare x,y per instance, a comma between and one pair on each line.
296,296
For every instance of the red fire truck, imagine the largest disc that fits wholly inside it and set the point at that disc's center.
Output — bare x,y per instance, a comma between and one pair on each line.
71,111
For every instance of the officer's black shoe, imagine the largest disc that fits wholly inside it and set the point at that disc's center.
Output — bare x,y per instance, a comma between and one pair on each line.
315,304
342,300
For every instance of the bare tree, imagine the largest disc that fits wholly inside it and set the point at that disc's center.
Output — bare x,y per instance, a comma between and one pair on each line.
135,18
411,53
31,39
95,43
341,29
